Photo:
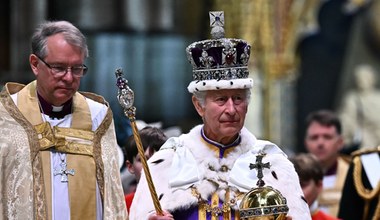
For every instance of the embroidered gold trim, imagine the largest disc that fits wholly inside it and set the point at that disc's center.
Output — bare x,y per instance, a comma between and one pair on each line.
227,216
40,206
363,192
97,150
365,151
67,140
75,133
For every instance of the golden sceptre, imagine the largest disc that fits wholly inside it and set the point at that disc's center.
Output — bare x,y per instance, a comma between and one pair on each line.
125,97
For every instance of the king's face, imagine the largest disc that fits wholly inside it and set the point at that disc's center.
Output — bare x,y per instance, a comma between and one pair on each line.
224,113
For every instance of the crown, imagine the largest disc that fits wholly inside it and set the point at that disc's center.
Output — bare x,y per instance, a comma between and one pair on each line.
219,63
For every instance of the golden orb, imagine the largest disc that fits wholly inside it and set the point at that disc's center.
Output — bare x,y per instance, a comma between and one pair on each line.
263,203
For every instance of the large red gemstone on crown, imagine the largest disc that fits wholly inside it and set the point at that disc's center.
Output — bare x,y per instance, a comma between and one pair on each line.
230,59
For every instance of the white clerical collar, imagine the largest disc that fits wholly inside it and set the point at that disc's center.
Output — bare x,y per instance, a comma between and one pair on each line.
57,108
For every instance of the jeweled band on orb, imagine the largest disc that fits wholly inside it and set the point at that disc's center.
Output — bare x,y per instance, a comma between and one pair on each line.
262,211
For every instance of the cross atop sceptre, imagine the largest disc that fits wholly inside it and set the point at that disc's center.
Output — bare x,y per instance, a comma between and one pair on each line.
259,166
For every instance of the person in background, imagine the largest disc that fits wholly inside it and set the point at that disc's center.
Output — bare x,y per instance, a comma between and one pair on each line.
152,139
361,192
311,179
205,173
58,146
323,139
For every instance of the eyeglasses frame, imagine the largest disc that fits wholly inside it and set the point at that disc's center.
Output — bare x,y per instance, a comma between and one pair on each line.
84,70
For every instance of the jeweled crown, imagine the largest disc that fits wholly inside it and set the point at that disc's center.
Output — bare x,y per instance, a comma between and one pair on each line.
219,63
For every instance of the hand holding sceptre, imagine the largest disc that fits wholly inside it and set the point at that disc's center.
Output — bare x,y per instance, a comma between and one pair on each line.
125,97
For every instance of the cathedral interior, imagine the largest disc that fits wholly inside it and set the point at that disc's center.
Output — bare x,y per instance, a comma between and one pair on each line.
302,58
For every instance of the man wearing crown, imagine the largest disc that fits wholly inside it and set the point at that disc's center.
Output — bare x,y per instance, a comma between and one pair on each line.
205,173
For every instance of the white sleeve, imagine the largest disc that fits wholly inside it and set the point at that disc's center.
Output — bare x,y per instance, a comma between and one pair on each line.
98,112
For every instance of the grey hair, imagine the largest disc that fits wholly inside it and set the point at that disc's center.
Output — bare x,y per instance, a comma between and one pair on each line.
70,33
201,96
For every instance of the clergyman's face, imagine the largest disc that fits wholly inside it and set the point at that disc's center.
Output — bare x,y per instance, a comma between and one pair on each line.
57,90
223,113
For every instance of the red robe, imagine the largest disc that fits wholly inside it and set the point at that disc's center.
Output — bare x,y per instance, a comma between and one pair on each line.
128,200
320,215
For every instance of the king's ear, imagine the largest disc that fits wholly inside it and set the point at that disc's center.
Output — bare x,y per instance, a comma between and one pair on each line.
197,106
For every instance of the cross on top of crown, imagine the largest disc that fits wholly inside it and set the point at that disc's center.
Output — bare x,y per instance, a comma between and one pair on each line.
216,18
217,24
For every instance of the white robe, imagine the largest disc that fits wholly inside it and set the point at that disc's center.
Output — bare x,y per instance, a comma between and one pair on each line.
186,161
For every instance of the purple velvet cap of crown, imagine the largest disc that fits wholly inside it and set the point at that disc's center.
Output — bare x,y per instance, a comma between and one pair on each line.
217,54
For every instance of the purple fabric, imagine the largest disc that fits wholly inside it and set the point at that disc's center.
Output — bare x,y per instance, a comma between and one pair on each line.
192,214
216,52
188,214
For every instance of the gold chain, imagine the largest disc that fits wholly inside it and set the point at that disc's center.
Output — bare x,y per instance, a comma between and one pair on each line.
215,211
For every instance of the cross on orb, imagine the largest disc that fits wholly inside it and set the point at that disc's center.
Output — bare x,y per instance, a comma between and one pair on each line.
259,166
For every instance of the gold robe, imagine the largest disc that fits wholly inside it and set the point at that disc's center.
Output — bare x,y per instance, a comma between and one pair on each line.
24,190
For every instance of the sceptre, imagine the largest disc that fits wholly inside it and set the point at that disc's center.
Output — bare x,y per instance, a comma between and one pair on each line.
125,97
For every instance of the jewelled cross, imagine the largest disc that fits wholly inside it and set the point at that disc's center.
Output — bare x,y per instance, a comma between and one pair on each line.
64,172
217,24
216,18
259,166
